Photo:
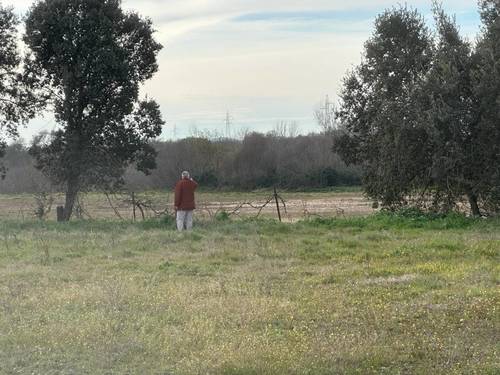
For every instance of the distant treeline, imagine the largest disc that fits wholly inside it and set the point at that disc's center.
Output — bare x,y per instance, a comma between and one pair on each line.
256,161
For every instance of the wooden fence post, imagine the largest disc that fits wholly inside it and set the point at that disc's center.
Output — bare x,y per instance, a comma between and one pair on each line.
277,204
133,205
60,213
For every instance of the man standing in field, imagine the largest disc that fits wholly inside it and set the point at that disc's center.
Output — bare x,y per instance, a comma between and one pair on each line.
184,201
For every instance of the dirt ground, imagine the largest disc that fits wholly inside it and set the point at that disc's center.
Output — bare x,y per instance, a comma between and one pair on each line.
293,206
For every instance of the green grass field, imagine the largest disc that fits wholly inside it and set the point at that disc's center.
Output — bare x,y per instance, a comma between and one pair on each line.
376,295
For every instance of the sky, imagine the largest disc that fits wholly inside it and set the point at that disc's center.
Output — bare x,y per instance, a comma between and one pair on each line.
260,61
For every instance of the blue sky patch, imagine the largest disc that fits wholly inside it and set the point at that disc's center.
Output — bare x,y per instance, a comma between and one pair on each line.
307,16
344,21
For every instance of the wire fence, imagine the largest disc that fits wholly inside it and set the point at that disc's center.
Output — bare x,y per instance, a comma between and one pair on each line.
139,206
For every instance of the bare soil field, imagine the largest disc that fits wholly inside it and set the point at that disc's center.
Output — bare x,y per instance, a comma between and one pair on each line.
293,206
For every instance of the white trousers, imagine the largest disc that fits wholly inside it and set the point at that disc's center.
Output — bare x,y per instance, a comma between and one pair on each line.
184,220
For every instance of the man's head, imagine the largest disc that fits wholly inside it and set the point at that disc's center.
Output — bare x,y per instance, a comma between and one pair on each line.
185,174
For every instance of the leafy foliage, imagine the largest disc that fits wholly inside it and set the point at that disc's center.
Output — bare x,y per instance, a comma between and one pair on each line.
450,118
92,57
487,89
377,112
422,116
16,104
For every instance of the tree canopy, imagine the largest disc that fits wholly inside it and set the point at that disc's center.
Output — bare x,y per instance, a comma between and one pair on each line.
487,90
92,57
420,114
15,102
377,113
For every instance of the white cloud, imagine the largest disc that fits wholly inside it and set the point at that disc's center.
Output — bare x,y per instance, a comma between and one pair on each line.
260,71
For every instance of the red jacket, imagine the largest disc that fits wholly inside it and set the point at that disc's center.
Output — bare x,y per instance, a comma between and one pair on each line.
184,194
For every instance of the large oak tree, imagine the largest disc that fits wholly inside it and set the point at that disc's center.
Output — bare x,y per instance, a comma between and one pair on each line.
92,57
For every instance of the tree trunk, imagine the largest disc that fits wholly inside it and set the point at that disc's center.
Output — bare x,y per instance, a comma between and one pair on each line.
71,194
473,204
